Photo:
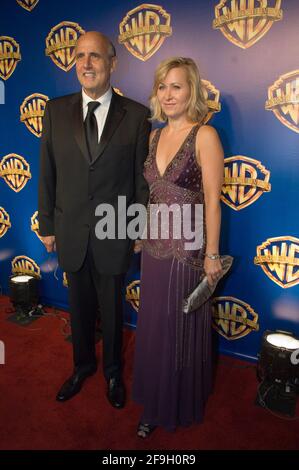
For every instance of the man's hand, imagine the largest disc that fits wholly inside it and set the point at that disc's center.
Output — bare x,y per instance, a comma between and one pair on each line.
49,243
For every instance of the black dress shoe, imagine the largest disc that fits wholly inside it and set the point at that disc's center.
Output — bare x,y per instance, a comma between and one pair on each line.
116,393
73,384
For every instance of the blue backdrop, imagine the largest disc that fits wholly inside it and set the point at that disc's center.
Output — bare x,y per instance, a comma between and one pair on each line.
247,52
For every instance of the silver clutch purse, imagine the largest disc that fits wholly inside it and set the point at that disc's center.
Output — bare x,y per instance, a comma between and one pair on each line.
203,290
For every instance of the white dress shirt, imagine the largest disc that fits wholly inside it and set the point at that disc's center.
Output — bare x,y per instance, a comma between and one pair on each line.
101,111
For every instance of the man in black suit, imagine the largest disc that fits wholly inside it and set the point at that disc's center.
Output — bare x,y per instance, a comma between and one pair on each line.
93,148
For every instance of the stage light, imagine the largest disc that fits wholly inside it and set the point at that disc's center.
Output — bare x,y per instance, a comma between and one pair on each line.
278,372
23,293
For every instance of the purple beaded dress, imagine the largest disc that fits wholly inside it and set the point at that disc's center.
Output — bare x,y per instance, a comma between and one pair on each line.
172,366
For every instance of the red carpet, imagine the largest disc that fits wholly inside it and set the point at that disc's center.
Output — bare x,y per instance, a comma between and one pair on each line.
38,359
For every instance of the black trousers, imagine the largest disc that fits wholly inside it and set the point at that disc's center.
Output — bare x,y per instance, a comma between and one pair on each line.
88,290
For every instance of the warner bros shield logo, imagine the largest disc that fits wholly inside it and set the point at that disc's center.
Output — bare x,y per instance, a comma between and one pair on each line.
28,4
283,100
133,293
144,29
212,96
61,43
245,180
4,222
15,171
35,224
64,280
245,22
279,259
232,318
32,111
25,265
118,91
9,56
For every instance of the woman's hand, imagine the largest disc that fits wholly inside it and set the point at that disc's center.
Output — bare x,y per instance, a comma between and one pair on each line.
213,269
137,246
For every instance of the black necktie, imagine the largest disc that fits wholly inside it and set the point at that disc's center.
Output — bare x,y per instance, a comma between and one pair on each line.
91,129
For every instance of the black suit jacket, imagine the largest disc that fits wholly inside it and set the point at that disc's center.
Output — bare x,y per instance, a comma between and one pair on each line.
70,187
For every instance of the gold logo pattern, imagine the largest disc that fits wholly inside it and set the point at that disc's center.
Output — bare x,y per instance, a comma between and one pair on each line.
279,259
61,42
212,96
245,180
64,282
244,22
144,29
28,4
35,224
15,171
117,90
4,222
32,111
283,99
132,294
9,56
232,318
25,265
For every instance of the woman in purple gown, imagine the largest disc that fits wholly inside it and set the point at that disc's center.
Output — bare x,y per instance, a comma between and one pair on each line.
172,367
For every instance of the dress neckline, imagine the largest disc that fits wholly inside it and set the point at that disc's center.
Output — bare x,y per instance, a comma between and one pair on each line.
175,155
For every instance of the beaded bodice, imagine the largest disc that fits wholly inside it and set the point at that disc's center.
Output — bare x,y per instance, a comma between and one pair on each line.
180,185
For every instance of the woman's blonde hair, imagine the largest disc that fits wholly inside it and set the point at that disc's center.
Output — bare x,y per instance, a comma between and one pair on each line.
197,107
